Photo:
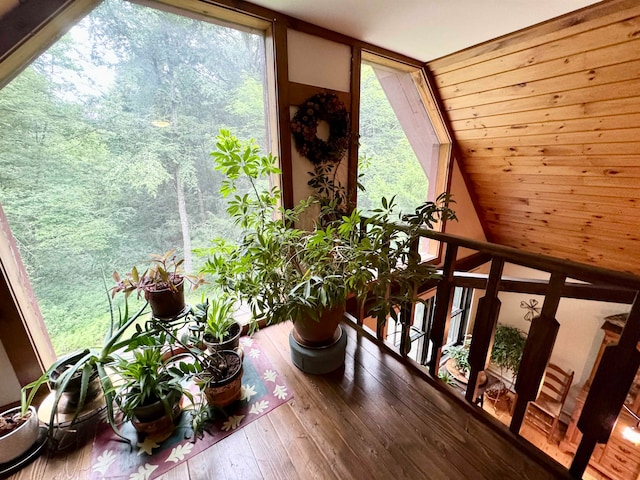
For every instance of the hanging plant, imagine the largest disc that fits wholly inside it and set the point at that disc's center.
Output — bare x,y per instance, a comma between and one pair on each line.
304,127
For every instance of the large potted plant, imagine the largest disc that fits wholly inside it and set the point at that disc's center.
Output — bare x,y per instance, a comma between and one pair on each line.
80,381
506,353
162,284
286,273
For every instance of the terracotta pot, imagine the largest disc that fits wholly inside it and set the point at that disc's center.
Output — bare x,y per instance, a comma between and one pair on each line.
153,421
226,391
321,333
20,440
232,342
166,304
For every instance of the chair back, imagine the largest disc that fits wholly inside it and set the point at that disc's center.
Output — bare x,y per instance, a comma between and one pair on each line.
556,383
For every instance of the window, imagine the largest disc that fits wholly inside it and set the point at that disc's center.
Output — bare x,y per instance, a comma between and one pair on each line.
106,140
404,149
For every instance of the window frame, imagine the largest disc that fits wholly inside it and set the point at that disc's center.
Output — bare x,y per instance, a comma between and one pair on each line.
24,335
419,75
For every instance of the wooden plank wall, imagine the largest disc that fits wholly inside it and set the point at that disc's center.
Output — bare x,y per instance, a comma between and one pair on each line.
547,122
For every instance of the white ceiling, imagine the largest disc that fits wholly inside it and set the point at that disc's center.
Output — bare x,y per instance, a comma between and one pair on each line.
424,29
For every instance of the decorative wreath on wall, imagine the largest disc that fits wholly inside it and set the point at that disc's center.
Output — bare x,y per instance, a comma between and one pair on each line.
304,127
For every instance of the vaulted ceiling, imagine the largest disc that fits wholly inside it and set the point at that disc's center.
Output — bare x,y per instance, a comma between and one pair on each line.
547,123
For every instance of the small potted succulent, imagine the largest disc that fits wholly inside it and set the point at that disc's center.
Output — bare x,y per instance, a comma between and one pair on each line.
162,284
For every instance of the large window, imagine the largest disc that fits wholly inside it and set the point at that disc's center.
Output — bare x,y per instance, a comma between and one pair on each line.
105,143
404,152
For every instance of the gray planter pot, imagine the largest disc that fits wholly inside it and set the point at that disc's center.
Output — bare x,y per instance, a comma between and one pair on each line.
18,441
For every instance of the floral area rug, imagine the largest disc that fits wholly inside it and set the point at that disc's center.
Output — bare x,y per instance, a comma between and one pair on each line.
263,389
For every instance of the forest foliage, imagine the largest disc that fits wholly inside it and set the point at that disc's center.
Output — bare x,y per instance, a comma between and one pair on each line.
105,143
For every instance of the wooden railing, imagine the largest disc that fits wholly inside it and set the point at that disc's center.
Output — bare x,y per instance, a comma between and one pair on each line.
616,369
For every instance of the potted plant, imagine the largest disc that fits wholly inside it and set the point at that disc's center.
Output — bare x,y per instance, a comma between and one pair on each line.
162,284
222,331
287,273
74,378
220,377
506,353
19,429
459,356
149,390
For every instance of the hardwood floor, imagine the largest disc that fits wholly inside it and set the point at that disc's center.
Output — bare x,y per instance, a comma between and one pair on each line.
376,419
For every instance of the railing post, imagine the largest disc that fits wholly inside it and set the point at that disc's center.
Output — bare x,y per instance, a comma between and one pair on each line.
484,328
611,383
442,315
408,308
537,351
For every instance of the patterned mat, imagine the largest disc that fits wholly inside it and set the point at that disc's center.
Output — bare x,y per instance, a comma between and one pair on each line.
263,389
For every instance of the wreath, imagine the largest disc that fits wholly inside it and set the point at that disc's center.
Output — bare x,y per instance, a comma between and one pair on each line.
304,127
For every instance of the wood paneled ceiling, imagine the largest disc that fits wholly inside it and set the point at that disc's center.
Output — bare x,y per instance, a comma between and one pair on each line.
548,127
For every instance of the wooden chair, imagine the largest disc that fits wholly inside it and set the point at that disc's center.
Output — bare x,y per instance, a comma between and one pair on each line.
544,412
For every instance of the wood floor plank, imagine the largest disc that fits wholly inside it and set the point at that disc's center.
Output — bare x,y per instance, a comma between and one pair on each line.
180,472
229,459
321,419
384,450
70,464
270,454
446,428
304,452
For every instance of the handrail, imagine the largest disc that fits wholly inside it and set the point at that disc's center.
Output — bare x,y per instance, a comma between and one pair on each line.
610,386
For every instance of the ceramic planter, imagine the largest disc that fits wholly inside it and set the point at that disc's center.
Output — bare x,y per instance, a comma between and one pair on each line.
322,333
226,391
20,440
166,304
232,342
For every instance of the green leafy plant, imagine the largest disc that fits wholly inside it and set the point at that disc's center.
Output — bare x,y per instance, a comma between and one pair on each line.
447,378
164,273
148,377
85,365
219,317
508,345
286,273
460,355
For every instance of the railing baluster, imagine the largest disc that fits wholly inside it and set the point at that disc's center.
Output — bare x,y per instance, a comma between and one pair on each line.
484,328
408,308
537,351
611,383
442,315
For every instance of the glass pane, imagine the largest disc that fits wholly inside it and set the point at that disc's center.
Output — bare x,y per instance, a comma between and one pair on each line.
398,146
106,140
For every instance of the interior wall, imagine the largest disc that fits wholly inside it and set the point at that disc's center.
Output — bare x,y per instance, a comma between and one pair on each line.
10,391
468,224
322,63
